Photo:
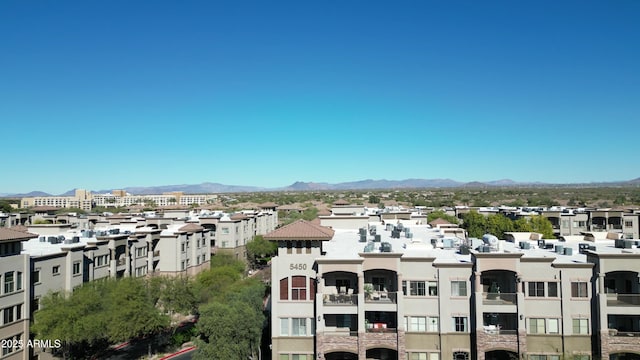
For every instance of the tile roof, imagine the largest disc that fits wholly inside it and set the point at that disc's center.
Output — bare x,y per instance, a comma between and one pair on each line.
9,234
191,228
439,221
45,208
238,216
268,205
341,202
301,230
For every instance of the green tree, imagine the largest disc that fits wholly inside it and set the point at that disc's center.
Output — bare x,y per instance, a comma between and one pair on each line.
498,224
522,225
373,199
259,248
542,225
213,283
474,223
439,214
177,294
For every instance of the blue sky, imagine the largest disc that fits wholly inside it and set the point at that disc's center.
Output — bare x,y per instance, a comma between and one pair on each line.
108,94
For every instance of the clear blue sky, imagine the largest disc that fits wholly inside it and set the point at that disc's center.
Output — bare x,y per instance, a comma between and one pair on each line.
108,94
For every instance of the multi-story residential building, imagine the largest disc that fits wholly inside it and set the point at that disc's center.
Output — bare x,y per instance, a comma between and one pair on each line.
82,200
385,292
14,294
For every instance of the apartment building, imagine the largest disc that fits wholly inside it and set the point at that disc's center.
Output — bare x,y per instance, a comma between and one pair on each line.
408,291
14,294
82,199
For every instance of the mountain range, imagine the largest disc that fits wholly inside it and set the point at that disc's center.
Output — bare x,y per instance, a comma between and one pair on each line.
369,184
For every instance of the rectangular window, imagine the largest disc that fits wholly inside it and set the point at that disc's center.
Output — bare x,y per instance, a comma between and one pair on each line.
458,288
536,288
76,268
433,288
298,288
55,270
433,324
552,326
284,356
378,283
537,357
18,281
536,326
552,289
579,289
284,327
417,288
628,224
284,289
418,356
300,357
299,327
8,282
417,323
35,276
8,315
581,326
460,324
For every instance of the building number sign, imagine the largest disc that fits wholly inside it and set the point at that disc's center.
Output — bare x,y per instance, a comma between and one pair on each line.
297,266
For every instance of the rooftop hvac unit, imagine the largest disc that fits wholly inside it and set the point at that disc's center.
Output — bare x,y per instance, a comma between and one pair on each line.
42,239
68,241
525,245
390,227
548,246
489,239
369,248
484,249
76,239
628,244
592,247
407,230
372,231
559,249
385,247
541,244
363,238
363,231
447,243
582,247
52,240
400,226
61,238
377,238
619,243
408,235
568,251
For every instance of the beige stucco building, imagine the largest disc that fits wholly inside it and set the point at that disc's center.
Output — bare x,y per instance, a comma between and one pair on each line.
385,292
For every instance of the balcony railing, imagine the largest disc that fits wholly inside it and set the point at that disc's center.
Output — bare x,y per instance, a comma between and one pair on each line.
382,330
614,332
623,299
342,332
497,330
499,298
382,297
340,299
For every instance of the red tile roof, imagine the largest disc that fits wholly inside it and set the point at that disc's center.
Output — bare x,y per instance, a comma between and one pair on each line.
9,234
191,228
301,230
439,221
341,202
268,205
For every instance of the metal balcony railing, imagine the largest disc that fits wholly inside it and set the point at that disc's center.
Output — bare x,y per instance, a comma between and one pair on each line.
382,297
340,299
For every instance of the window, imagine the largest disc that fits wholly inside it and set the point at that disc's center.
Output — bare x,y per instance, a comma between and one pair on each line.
536,326
458,288
432,324
8,315
141,271
416,323
141,252
460,324
536,288
284,327
284,356
628,223
581,326
18,281
378,283
552,289
76,268
433,288
55,270
418,356
35,276
579,289
460,355
182,247
284,289
298,288
300,357
225,230
417,288
299,327
8,282
552,326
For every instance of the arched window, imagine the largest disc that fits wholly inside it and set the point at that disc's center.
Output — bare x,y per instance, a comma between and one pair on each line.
460,355
299,288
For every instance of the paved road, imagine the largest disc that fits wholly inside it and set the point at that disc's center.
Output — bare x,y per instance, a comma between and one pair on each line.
184,356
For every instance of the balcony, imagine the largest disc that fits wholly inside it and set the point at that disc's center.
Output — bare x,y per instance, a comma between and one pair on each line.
341,332
156,253
382,297
623,299
121,262
499,298
380,328
340,299
614,332
497,330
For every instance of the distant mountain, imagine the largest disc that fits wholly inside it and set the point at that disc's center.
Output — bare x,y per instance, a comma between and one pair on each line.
204,188
208,188
29,194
